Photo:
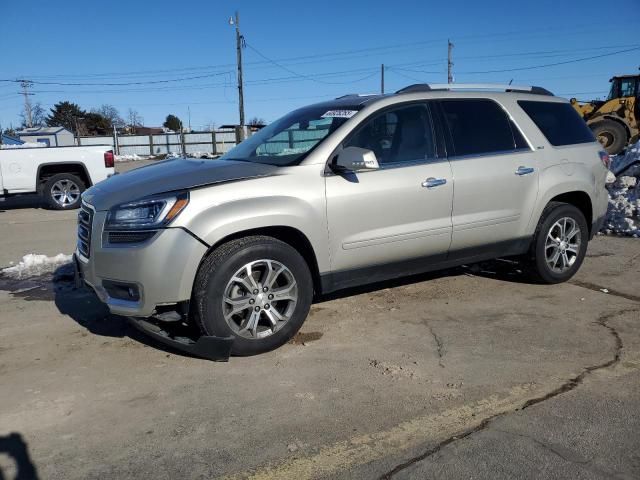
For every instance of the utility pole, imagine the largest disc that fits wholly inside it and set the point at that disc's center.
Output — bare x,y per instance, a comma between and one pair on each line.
189,113
239,44
449,61
382,79
25,84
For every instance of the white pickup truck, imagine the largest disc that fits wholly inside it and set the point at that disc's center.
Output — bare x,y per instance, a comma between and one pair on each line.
58,174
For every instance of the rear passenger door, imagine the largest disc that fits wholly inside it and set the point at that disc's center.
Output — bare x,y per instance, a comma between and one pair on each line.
496,177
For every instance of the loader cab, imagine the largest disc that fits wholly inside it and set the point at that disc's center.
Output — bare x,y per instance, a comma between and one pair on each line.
624,87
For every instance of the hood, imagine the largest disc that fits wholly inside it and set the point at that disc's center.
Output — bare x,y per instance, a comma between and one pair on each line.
170,175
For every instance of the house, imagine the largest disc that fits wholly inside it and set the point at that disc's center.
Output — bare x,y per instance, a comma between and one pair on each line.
50,136
9,140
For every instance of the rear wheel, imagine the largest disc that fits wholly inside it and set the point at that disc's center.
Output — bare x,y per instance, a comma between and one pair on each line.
63,191
257,289
611,134
560,243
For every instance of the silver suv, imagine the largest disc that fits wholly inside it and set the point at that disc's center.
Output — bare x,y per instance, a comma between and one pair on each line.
351,191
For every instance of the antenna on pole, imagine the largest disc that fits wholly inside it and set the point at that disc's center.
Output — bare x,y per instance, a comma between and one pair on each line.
449,61
26,84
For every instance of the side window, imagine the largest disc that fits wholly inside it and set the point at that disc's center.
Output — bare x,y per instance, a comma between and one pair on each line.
627,88
479,126
400,135
558,122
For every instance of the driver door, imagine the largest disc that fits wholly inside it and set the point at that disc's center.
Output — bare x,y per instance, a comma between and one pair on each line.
397,213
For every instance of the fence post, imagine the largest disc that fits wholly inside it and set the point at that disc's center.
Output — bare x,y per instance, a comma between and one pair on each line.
214,148
116,145
150,144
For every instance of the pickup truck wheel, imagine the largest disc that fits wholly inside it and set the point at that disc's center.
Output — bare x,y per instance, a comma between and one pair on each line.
560,243
63,191
257,289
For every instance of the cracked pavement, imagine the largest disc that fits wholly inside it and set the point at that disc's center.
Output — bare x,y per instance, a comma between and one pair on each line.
470,373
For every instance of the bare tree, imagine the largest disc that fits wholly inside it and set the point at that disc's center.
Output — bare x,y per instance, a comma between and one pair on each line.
210,126
256,122
38,116
111,113
135,120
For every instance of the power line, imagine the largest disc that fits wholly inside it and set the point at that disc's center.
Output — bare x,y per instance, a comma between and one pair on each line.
533,67
151,82
307,77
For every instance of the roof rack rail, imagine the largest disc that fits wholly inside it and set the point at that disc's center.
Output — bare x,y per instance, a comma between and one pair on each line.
430,87
357,95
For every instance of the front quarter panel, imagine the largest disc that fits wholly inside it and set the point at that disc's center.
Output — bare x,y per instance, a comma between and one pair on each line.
293,197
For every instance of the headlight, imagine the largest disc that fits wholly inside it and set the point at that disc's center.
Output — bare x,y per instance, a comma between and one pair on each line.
152,212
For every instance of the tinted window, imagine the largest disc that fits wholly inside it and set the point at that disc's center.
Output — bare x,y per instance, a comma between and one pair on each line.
559,122
478,126
399,135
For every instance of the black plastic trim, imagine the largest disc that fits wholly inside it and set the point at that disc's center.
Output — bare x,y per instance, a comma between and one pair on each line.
193,235
211,348
333,281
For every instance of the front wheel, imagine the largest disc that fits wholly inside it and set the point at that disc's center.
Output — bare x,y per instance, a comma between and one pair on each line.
560,243
257,289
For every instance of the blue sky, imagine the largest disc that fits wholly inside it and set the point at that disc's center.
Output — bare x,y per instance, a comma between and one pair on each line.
322,50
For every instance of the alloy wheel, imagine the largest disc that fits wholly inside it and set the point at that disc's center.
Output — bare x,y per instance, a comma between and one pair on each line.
65,192
259,299
562,244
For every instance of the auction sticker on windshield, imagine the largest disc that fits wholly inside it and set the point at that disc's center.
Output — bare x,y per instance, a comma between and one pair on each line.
339,114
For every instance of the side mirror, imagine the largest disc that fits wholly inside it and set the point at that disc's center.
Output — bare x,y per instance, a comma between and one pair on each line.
354,158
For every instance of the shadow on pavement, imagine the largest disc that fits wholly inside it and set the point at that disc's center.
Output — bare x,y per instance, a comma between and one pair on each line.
14,446
21,201
84,307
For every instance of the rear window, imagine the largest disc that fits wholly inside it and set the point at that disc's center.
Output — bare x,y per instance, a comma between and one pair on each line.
480,126
559,122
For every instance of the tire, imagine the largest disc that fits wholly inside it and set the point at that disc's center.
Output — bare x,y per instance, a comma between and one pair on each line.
223,275
544,248
611,134
63,191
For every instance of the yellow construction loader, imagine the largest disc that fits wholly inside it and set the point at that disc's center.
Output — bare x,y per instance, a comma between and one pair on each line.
616,120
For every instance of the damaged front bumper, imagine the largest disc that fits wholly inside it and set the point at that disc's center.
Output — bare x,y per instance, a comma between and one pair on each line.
207,347
211,348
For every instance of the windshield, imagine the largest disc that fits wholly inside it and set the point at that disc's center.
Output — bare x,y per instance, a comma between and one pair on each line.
289,139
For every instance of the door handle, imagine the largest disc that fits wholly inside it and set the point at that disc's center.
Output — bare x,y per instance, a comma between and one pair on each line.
524,170
432,182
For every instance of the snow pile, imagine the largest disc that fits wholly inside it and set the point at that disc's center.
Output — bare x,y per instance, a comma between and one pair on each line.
34,264
623,213
208,155
629,163
133,158
24,145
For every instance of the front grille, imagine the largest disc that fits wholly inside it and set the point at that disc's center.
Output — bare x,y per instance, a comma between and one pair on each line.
85,220
130,237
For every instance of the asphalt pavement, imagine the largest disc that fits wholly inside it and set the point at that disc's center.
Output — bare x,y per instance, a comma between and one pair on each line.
468,373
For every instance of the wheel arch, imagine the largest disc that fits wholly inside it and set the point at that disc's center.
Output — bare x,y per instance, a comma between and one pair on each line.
48,170
594,121
287,234
579,199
